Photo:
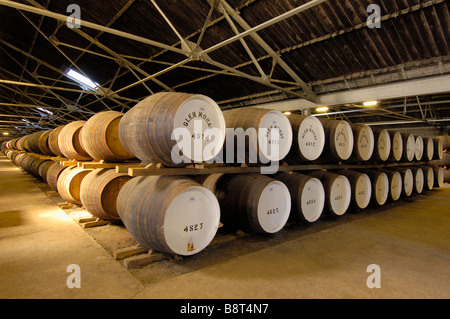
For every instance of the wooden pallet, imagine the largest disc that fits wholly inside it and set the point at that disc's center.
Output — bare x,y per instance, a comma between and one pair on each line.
137,256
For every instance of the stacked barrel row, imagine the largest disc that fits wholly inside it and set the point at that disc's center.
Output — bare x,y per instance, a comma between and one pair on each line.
181,214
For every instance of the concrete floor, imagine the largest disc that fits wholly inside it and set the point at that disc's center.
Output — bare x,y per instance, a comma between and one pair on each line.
410,243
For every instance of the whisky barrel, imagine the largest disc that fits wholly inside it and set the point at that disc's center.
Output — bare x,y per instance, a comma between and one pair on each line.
22,144
364,142
53,141
43,143
43,169
397,146
418,179
19,158
409,145
34,168
308,138
428,148
171,214
69,182
446,175
395,184
407,180
418,148
438,148
99,190
337,192
253,203
27,161
69,142
339,140
361,188
438,176
53,174
429,177
100,137
382,148
307,196
269,135
380,186
173,129
33,142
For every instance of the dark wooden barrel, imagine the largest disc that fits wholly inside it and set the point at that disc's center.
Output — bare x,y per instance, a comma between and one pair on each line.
153,129
409,144
339,140
337,192
33,142
428,177
438,148
262,124
382,148
99,190
43,169
53,141
418,179
100,137
446,175
395,184
69,142
364,142
69,182
438,176
397,146
171,214
27,161
307,196
53,174
361,187
43,143
380,186
419,148
34,168
253,203
308,138
407,180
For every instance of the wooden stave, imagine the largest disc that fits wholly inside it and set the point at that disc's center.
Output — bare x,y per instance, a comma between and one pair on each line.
68,183
70,144
53,141
94,187
53,174
96,140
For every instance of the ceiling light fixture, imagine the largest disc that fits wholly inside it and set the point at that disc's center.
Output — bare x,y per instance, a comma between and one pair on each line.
5,133
322,109
370,103
287,113
85,82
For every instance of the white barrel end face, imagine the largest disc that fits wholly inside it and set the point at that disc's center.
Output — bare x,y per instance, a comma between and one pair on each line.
397,146
343,139
429,177
418,148
440,177
418,181
340,195
205,125
396,186
410,147
313,199
430,148
363,191
408,182
382,189
274,136
365,142
311,138
274,207
191,221
384,145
